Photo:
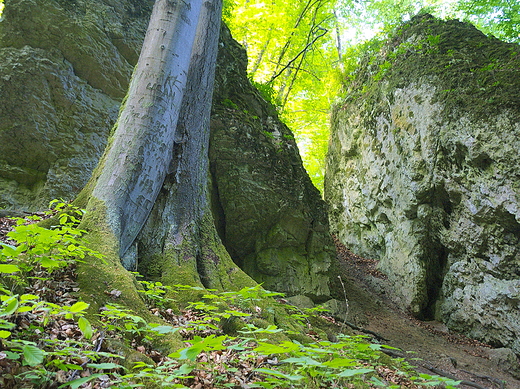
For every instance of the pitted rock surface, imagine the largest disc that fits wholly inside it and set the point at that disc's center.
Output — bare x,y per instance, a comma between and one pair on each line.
422,174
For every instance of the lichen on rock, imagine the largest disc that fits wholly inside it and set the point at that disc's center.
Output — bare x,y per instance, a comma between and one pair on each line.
422,174
64,71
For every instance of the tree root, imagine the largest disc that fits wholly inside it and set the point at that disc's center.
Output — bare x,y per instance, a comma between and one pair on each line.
486,377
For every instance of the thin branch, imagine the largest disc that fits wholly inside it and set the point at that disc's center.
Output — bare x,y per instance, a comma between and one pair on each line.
308,6
324,31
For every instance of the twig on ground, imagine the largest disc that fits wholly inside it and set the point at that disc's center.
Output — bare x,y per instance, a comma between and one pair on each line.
486,377
346,299
433,369
357,328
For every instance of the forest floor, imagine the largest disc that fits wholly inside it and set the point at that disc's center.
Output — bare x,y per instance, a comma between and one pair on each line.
428,345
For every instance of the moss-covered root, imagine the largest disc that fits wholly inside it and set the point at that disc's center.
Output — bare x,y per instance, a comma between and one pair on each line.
200,259
99,279
215,264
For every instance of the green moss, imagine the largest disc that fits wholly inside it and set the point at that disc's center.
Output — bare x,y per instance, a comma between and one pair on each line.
97,277
201,261
473,73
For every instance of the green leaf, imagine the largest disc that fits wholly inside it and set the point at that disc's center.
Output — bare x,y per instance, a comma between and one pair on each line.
80,381
279,374
78,307
85,327
305,361
340,362
10,308
47,262
10,251
11,355
237,313
268,348
7,246
183,370
191,353
4,334
353,372
25,297
32,355
104,366
9,268
165,329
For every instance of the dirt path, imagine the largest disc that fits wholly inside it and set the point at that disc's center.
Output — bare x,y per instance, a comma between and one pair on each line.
439,350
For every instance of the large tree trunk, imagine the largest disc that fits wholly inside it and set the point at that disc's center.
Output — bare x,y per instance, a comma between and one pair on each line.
141,150
155,169
74,60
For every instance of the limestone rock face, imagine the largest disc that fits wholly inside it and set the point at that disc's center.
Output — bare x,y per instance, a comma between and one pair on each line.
65,69
271,218
423,170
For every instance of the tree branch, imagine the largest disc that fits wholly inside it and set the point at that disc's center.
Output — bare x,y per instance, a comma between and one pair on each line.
324,31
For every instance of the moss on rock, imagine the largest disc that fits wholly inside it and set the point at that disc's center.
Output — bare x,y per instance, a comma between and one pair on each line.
421,174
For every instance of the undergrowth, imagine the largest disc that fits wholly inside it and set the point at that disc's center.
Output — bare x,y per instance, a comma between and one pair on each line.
47,342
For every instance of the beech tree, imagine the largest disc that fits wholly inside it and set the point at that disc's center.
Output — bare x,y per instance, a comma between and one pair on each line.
147,201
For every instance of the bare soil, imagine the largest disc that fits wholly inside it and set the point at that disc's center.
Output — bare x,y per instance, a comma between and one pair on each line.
428,345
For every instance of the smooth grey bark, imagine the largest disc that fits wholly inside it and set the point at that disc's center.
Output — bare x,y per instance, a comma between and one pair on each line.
169,99
190,167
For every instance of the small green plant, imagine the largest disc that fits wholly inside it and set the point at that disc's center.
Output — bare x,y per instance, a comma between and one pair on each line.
154,293
267,92
383,69
229,103
36,253
298,365
36,247
435,381
116,318
259,353
268,134
149,375
433,40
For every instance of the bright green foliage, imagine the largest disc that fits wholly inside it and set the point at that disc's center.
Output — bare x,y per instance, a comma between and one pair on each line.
291,50
37,250
300,53
48,248
320,363
117,318
500,18
154,293
209,343
252,347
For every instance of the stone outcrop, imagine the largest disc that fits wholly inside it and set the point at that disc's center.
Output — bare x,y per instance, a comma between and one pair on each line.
270,217
65,69
422,174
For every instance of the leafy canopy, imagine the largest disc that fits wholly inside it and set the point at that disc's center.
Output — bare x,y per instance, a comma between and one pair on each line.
300,52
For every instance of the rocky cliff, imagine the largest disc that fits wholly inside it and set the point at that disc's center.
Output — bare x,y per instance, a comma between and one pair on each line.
270,217
423,174
66,67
